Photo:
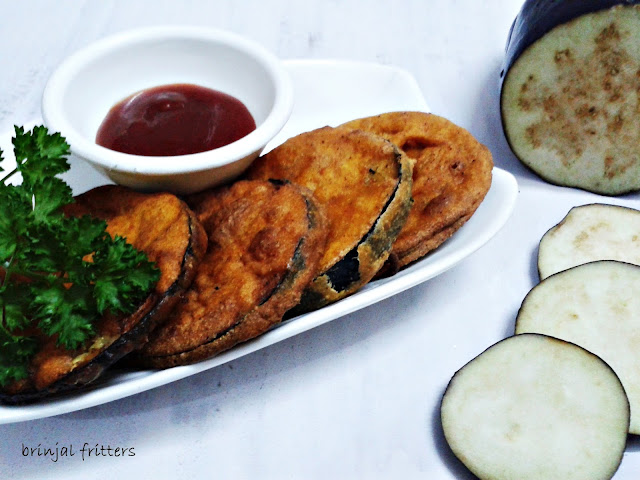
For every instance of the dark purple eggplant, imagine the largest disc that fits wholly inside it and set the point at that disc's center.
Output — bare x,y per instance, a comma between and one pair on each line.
569,91
537,17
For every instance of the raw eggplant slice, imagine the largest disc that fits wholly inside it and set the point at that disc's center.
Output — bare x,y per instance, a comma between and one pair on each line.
589,233
570,93
596,306
535,407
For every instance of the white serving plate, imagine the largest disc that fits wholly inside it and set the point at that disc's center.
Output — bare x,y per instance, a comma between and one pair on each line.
327,93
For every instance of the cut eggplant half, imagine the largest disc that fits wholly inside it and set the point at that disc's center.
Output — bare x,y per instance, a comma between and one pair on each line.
596,306
589,233
570,93
535,407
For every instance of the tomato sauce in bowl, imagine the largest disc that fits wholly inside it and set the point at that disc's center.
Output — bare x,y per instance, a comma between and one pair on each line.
178,119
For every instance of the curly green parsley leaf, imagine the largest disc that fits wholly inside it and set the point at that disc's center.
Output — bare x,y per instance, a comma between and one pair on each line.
58,275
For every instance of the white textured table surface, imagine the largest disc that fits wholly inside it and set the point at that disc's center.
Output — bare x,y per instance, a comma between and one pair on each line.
357,397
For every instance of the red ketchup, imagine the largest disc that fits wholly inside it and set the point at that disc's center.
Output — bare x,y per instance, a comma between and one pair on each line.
174,120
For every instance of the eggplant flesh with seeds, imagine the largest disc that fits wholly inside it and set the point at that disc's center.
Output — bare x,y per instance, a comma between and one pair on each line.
569,93
595,306
590,233
535,407
537,17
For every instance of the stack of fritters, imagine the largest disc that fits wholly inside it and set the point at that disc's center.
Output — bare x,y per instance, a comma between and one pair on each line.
313,221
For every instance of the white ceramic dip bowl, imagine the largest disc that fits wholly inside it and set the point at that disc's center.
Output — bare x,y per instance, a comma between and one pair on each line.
83,89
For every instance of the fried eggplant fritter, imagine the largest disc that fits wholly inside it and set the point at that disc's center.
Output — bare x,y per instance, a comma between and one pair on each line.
451,176
169,233
363,182
265,241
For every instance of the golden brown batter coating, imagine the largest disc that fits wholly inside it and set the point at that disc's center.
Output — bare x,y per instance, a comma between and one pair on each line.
164,228
363,183
451,176
160,224
265,240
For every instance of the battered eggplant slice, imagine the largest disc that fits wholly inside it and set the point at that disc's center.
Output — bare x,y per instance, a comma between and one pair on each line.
265,240
451,176
364,184
169,233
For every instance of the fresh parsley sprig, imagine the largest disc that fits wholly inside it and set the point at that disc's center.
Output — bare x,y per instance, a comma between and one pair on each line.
58,274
